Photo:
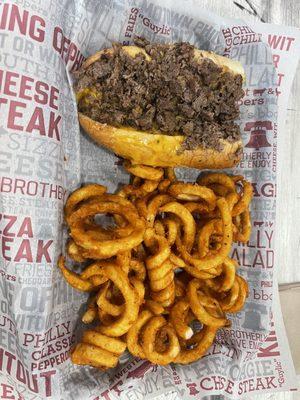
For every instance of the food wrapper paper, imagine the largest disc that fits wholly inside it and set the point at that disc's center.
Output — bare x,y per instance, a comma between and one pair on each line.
44,156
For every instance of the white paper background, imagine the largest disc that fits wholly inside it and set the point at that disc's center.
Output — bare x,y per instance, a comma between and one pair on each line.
39,312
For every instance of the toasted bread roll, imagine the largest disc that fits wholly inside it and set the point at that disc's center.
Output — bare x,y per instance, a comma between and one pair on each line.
153,147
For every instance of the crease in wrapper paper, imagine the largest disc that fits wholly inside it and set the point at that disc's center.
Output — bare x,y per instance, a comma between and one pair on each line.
44,157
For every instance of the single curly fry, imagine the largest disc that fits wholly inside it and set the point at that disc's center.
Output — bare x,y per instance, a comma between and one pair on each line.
225,280
154,307
91,312
152,328
104,304
212,260
244,201
143,171
74,279
193,192
219,179
82,194
178,315
100,249
131,302
242,222
153,206
197,346
204,310
113,345
74,251
189,225
132,337
87,354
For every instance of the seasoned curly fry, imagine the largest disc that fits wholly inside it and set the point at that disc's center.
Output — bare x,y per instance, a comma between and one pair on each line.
177,318
143,171
242,222
153,326
193,192
91,312
243,204
74,279
80,195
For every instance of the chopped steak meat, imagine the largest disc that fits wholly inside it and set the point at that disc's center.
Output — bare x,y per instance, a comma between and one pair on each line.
172,93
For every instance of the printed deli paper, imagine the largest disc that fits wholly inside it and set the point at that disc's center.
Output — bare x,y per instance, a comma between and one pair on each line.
44,156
